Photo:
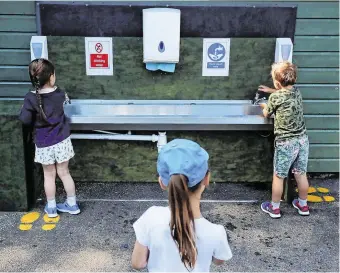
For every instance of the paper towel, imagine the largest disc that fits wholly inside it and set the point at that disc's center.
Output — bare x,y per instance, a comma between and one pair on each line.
167,67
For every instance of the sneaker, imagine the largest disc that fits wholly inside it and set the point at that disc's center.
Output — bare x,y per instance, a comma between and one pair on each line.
301,210
268,208
65,207
51,212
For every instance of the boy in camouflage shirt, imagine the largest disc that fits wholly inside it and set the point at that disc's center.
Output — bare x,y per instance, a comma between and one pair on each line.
291,140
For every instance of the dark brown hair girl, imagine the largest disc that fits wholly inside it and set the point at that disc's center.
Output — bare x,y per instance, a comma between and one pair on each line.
40,71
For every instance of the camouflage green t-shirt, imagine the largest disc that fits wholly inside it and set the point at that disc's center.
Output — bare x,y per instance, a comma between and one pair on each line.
287,106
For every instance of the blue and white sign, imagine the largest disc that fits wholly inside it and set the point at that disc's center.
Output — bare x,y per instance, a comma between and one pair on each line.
216,54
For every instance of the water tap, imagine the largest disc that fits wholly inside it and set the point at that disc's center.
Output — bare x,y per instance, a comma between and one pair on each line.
67,99
258,100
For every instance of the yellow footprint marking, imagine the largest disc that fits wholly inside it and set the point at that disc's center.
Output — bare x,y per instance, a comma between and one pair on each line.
323,190
49,220
317,199
328,198
25,227
314,199
310,190
48,227
28,219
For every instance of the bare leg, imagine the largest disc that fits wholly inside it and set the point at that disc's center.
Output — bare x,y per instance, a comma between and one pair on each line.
66,178
303,185
49,181
277,189
70,205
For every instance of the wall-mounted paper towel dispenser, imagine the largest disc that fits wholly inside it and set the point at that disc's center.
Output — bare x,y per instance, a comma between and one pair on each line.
283,50
161,35
38,47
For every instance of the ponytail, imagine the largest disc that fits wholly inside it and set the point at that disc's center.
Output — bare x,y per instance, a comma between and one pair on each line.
182,224
42,114
40,71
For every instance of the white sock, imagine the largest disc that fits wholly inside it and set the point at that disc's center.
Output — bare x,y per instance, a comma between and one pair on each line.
302,202
71,200
51,203
275,205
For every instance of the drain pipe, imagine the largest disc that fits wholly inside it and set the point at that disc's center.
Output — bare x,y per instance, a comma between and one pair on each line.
161,138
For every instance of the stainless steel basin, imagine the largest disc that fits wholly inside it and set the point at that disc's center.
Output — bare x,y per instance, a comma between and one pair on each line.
166,115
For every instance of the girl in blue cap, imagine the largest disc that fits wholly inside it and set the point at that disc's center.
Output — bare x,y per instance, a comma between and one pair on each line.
177,238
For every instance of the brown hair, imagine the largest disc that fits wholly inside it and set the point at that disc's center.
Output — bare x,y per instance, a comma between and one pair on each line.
284,73
182,223
40,71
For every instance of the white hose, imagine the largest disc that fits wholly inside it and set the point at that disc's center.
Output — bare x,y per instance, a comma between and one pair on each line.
153,138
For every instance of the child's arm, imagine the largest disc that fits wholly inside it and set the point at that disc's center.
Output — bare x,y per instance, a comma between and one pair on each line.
140,256
218,262
264,109
27,113
268,109
266,89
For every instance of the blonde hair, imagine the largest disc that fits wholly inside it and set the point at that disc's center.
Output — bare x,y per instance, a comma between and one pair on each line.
284,73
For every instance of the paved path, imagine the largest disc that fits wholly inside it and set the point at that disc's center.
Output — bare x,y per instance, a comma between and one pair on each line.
101,237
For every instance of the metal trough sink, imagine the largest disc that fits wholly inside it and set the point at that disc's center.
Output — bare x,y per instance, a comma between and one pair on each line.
144,115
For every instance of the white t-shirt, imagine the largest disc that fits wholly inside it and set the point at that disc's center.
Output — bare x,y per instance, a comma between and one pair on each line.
153,231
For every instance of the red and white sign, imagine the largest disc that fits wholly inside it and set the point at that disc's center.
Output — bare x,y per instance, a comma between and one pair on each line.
99,60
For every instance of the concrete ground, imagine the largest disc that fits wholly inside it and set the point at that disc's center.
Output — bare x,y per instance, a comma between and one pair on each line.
101,238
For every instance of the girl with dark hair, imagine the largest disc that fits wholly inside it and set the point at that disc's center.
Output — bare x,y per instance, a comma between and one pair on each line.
44,110
177,238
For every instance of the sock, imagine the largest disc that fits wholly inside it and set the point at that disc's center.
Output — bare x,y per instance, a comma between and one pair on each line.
302,202
71,200
276,205
51,203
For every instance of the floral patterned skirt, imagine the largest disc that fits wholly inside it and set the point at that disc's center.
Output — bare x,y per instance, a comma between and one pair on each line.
60,152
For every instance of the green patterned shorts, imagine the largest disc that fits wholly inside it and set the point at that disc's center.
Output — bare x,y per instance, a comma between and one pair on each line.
293,153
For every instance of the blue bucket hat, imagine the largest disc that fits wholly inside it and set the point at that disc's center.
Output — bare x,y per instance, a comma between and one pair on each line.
182,156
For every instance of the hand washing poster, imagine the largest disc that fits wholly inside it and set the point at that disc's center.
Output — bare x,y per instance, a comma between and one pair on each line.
216,55
99,60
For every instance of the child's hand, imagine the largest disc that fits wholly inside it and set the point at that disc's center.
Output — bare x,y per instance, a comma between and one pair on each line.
264,110
262,105
266,89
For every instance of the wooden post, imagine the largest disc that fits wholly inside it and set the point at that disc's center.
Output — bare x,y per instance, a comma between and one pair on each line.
288,188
